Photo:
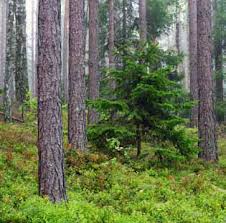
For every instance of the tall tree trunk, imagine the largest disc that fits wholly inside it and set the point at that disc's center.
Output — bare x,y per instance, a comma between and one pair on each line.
21,75
218,54
142,20
111,38
65,65
111,33
193,59
93,88
124,23
34,49
3,17
206,123
219,75
76,105
10,59
50,137
178,26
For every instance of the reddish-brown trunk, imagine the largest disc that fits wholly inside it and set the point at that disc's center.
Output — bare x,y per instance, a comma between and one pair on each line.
206,123
142,20
93,88
193,59
50,138
76,105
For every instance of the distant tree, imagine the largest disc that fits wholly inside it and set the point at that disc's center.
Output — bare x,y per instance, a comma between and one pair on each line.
193,59
93,85
142,20
206,122
219,42
111,33
34,23
10,59
50,137
76,105
3,19
65,51
21,74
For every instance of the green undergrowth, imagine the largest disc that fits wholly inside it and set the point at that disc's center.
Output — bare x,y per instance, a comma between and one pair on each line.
105,189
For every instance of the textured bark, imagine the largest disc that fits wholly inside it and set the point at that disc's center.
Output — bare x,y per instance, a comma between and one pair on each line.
34,49
177,27
3,18
111,38
206,123
124,23
65,65
10,59
21,75
93,88
193,59
111,33
76,105
142,20
219,71
218,54
50,137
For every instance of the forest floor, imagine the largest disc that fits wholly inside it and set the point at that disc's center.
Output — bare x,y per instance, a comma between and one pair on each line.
102,189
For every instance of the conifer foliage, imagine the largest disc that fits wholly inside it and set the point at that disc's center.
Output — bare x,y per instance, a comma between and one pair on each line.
149,101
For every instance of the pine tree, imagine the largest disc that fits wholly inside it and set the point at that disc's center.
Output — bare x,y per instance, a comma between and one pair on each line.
142,20
76,106
50,137
10,59
21,75
206,122
193,59
93,86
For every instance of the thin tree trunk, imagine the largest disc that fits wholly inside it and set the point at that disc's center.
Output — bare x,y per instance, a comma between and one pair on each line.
124,23
111,38
111,33
142,20
76,106
34,49
218,54
177,26
65,65
3,42
21,75
193,59
50,137
206,123
10,60
93,88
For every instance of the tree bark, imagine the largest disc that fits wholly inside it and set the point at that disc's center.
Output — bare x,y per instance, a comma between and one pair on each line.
50,137
111,33
10,59
206,123
218,54
21,74
93,88
193,59
111,38
76,105
65,64
142,20
124,22
3,18
34,49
